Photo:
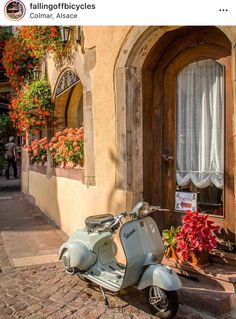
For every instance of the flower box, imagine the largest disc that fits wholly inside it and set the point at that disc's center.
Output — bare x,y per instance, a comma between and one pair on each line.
67,147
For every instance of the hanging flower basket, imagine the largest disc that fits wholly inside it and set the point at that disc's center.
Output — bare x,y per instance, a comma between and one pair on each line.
42,39
5,35
32,107
18,62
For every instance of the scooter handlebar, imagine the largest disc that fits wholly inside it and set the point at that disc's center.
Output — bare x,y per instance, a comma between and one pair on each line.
159,209
154,208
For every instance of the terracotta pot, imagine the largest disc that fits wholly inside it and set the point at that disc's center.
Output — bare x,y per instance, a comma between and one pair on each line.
199,259
69,164
78,166
61,165
81,163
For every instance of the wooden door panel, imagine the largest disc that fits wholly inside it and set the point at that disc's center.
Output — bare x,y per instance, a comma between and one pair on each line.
175,51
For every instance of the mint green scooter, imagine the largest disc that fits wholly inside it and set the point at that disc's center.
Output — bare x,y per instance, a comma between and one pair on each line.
91,252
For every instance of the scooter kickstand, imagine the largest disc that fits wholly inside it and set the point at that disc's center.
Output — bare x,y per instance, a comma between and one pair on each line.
104,297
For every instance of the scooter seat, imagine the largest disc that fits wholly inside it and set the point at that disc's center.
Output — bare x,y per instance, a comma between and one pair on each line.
96,221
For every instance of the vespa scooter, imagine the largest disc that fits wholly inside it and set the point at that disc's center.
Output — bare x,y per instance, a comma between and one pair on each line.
91,252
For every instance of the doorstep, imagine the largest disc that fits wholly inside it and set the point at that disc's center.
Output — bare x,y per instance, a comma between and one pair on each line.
225,275
210,288
223,257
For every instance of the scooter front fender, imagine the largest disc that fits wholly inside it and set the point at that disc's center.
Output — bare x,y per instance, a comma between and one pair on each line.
161,276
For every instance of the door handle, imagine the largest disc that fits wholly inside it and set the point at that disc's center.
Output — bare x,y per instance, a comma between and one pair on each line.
166,157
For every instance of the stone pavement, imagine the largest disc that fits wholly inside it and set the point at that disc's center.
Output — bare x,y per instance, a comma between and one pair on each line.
33,284
11,185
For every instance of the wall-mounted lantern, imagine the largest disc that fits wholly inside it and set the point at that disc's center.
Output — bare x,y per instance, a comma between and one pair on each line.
78,40
36,72
65,33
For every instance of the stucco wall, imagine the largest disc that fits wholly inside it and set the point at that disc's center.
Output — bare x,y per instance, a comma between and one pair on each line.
107,42
68,202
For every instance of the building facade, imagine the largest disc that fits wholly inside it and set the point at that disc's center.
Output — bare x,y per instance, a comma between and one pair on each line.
157,105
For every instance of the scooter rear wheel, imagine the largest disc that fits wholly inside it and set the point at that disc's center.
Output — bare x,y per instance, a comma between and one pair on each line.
164,304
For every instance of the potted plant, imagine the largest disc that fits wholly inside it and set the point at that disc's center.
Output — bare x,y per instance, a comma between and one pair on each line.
67,147
37,151
170,241
196,238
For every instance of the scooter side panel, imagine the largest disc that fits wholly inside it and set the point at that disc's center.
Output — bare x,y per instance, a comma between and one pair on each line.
161,276
81,256
142,245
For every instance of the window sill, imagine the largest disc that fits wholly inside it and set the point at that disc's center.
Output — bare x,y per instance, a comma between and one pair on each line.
38,169
71,173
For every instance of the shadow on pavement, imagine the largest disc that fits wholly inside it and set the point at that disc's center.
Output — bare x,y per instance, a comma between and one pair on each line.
12,184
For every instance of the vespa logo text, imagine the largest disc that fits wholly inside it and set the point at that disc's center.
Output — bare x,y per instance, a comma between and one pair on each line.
127,235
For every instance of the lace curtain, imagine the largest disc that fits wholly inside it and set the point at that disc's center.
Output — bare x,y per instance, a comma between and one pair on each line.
200,124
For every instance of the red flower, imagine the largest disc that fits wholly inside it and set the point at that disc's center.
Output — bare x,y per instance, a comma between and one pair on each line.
41,39
16,61
25,112
197,234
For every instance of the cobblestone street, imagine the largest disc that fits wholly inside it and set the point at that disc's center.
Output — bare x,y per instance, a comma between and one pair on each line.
46,292
30,289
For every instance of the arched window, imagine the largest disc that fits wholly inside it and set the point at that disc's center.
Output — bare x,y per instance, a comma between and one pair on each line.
74,109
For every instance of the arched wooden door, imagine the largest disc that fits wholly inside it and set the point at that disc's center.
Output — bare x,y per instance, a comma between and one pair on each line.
179,53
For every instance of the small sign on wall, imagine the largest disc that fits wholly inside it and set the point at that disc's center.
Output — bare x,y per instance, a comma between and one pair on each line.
185,201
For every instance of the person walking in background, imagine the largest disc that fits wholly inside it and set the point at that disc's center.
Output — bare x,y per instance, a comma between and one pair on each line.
11,157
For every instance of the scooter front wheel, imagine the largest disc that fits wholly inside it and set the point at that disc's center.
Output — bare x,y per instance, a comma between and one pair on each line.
164,304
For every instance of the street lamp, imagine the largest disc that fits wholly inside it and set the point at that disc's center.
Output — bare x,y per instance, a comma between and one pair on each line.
65,33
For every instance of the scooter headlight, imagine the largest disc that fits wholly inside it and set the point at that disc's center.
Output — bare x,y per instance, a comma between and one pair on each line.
141,209
144,209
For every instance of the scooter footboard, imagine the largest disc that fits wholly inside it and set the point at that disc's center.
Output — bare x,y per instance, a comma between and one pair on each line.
161,276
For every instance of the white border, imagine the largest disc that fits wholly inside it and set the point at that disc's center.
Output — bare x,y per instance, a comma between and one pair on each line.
130,12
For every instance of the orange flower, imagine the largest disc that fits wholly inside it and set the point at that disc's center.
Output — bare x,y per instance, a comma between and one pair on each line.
61,138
